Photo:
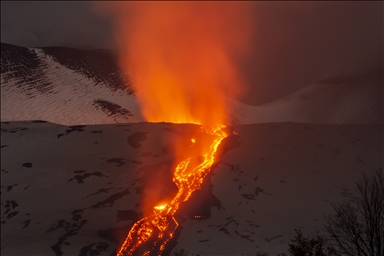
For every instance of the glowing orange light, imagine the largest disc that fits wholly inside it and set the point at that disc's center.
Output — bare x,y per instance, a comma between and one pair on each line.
160,207
180,56
161,223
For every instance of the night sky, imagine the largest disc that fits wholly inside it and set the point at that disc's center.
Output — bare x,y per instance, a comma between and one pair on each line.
293,45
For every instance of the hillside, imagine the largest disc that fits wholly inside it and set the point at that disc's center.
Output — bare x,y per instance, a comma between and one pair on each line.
77,190
339,100
57,84
73,87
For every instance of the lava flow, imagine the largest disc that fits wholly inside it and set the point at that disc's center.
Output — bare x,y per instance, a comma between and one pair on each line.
151,234
182,58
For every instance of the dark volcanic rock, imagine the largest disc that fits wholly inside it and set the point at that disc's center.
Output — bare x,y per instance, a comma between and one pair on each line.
28,165
26,68
127,215
102,67
135,139
82,177
112,109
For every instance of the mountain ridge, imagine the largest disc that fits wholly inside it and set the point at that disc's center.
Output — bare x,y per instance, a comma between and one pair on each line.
43,83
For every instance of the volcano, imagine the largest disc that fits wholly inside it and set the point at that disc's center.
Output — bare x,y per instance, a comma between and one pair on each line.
78,159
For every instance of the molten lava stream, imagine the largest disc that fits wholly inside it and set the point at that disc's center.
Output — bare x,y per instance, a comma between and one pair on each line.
149,235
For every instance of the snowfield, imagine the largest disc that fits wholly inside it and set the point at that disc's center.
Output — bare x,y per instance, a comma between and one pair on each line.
78,159
64,91
77,190
74,87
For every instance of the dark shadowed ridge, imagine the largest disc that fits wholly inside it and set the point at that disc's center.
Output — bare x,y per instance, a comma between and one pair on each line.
375,74
23,65
27,68
54,78
101,67
49,80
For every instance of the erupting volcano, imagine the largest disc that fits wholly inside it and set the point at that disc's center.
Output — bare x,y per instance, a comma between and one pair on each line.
181,59
190,128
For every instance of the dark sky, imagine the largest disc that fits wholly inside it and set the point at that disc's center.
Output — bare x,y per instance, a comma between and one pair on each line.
53,23
294,44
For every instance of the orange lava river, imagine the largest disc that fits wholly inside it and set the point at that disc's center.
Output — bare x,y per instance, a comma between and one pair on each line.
149,235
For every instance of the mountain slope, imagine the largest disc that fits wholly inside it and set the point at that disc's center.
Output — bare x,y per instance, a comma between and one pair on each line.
64,85
78,190
72,87
350,100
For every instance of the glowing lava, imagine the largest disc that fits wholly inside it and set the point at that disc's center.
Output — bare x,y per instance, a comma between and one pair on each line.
182,58
151,234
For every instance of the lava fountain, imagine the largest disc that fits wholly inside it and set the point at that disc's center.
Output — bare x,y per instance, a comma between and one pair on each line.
181,58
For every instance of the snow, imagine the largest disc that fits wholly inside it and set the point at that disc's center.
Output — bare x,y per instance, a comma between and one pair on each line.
273,179
66,183
71,102
72,99
352,101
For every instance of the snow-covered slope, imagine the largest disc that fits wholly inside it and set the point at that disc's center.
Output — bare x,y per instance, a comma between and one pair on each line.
66,86
78,190
73,87
350,100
